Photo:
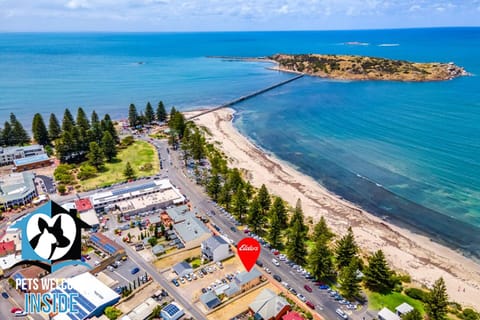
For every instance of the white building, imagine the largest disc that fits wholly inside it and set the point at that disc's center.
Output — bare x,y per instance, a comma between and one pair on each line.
403,309
95,297
142,311
216,248
17,189
386,314
8,154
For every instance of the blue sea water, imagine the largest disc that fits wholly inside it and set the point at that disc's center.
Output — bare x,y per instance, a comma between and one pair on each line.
409,151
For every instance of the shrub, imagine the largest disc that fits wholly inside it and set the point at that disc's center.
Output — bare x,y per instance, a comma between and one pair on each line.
63,174
128,140
416,294
62,189
87,171
469,314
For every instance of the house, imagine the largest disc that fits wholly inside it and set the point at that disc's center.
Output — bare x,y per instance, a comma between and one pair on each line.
292,315
158,249
247,280
182,268
210,300
386,314
172,311
403,309
83,205
33,162
269,306
216,248
142,311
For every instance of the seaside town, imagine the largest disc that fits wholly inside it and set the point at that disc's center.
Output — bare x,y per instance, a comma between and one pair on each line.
166,210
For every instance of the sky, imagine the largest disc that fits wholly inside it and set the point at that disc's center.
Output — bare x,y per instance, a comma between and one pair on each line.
232,15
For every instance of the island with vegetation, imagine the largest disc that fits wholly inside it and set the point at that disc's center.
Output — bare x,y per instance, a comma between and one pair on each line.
350,67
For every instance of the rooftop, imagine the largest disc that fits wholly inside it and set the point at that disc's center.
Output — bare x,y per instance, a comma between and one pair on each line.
177,214
404,308
210,300
182,268
30,160
142,311
83,204
172,309
13,149
292,316
245,277
267,304
90,217
214,242
386,314
16,185
191,228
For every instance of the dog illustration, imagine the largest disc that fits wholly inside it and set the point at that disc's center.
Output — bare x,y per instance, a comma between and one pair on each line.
49,238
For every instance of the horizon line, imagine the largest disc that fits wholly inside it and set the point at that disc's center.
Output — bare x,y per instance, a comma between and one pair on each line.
237,31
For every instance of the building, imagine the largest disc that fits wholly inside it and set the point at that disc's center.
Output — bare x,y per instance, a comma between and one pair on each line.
139,198
83,205
90,217
30,273
7,247
172,311
192,231
158,249
93,297
386,314
210,300
269,306
142,311
106,244
403,309
216,248
17,189
9,154
292,315
182,268
177,214
33,162
247,280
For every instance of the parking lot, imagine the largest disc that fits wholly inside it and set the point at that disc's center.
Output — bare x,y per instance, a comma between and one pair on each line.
212,277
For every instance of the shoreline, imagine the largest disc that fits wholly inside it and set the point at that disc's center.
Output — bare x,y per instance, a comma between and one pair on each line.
408,251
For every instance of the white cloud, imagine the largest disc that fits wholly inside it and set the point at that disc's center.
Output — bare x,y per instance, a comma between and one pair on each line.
78,4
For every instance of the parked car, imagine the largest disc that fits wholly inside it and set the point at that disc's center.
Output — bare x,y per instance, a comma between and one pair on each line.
259,263
275,262
310,305
324,286
5,295
175,282
233,229
307,287
15,309
134,270
277,277
342,314
267,270
301,297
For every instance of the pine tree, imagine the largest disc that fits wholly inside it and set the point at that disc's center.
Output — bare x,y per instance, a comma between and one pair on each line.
248,190
412,315
225,197
7,134
161,113
40,133
378,276
239,205
2,142
234,180
107,125
280,212
298,216
264,198
149,114
255,216
64,146
108,146
274,235
95,155
19,135
213,187
67,122
320,259
132,116
296,247
82,120
322,230
349,280
95,118
436,304
346,249
128,172
54,130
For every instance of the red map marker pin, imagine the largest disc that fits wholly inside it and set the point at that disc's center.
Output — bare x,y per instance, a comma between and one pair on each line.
248,251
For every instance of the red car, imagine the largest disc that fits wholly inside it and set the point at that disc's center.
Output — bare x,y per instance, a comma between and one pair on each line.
15,309
310,305
308,288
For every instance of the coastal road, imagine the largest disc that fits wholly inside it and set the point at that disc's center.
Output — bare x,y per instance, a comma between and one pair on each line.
324,304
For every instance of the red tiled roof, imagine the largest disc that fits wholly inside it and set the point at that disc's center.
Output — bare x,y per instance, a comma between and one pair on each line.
7,247
83,205
292,316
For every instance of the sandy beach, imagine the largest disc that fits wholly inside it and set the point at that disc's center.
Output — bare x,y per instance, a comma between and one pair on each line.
406,251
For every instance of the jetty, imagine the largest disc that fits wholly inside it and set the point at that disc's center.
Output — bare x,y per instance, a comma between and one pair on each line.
248,96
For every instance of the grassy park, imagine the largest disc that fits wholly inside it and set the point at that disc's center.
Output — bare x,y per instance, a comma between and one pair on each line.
377,301
138,154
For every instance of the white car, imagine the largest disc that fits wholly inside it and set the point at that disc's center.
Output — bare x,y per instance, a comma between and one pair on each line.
275,262
267,270
301,297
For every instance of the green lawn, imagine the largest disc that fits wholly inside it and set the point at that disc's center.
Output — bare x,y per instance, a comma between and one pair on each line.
138,154
377,301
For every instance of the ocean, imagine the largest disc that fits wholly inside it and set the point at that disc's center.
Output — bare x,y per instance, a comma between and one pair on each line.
408,152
